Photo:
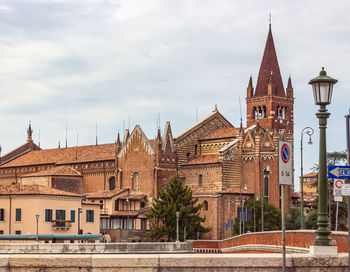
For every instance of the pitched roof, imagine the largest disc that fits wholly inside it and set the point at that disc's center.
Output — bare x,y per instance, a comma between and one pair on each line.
65,155
135,196
105,194
311,175
62,170
19,151
269,64
203,159
225,132
17,189
212,115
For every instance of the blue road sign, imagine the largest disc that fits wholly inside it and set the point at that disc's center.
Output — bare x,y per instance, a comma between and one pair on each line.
338,171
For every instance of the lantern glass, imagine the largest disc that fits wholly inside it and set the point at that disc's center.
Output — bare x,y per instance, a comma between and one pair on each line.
323,88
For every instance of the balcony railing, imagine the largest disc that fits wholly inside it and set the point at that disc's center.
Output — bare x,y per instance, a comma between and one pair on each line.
103,211
61,224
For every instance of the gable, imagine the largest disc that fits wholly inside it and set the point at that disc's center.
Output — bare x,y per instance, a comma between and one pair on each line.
137,134
205,126
168,140
248,142
267,141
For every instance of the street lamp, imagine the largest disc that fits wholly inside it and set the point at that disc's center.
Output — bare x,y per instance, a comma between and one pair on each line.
240,205
322,89
177,227
309,131
127,220
37,227
266,173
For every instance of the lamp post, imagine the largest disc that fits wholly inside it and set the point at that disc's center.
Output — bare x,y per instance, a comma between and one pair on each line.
257,198
37,227
177,227
266,173
240,205
127,220
80,210
309,131
322,89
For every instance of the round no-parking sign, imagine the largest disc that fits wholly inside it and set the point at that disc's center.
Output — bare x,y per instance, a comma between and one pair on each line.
285,163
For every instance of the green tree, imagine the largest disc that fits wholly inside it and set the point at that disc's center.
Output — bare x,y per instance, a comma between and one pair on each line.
293,218
272,217
172,198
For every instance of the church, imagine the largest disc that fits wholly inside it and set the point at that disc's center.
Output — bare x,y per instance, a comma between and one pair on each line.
222,163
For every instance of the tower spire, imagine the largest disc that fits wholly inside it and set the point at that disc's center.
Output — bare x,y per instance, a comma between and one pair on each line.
269,64
29,133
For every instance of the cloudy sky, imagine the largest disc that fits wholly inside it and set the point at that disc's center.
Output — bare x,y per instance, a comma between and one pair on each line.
78,63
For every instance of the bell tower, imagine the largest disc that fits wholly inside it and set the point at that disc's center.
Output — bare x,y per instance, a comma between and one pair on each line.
270,105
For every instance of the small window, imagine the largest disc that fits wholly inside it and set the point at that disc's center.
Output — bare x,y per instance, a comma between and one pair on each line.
200,180
2,214
111,183
195,150
90,216
18,215
60,214
143,224
188,155
72,216
1,232
205,205
18,232
104,223
48,215
116,205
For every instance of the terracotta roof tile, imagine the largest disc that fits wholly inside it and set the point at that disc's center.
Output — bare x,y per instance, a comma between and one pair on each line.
204,159
311,175
17,189
65,155
62,170
222,133
105,194
138,196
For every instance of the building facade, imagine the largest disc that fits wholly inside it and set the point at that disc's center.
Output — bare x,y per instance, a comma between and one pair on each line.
222,164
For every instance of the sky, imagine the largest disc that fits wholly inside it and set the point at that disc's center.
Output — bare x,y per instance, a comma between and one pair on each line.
76,64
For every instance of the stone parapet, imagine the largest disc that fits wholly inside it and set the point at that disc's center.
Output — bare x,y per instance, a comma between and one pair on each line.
171,262
94,248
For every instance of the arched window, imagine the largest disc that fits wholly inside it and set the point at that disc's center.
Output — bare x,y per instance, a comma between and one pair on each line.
205,205
111,183
255,114
136,181
266,186
200,180
264,111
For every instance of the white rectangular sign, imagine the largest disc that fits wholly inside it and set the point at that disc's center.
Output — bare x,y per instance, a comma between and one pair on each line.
337,184
345,189
285,163
338,198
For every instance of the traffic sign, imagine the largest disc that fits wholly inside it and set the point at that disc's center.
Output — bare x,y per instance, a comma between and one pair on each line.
338,198
338,171
345,189
285,163
337,184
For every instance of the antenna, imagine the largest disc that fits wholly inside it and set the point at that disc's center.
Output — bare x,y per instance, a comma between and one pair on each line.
158,120
39,137
96,132
240,108
66,137
270,19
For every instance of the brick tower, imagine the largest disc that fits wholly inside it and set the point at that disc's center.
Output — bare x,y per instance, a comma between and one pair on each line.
270,104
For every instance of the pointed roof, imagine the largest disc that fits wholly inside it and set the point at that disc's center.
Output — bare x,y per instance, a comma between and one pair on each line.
289,85
168,135
269,68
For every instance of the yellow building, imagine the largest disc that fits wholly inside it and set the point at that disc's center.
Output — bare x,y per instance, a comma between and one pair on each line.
59,212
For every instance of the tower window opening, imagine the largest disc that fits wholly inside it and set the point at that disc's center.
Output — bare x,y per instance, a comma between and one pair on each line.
200,180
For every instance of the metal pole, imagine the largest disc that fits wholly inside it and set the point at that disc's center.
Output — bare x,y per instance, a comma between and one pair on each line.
243,230
283,233
323,231
262,202
309,131
348,157
37,227
336,216
177,228
301,183
185,234
240,207
127,220
254,217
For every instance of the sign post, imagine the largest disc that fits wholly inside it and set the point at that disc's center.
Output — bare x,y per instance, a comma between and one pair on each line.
285,177
337,184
